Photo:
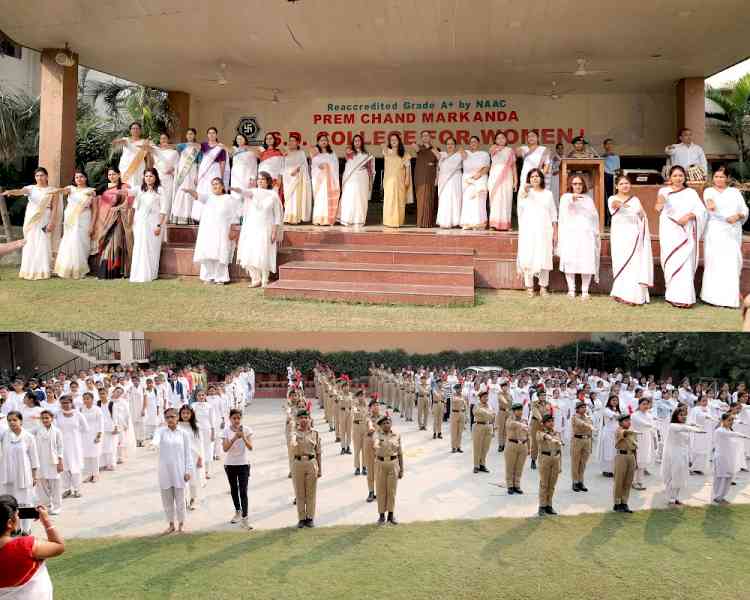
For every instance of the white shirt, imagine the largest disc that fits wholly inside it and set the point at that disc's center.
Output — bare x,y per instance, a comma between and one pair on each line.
238,452
685,156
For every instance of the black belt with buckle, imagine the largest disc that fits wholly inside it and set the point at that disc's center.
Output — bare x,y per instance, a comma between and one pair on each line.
581,436
457,410
309,456
357,422
482,423
550,454
382,458
517,441
626,452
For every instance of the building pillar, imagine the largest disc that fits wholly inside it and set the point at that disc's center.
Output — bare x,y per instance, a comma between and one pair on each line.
179,104
126,347
691,107
57,119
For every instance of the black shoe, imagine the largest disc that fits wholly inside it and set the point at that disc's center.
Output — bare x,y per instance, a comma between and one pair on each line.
550,510
330,429
608,474
501,448
338,439
459,450
348,450
533,464
542,511
395,410
391,519
300,524
519,490
582,488
364,470
453,450
434,436
381,519
440,436
370,497
476,469
343,451
625,508
309,523
575,487
357,471
483,469
617,508
289,476
511,491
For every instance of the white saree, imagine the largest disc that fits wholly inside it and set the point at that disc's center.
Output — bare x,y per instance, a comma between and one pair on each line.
450,189
500,183
532,160
324,167
133,162
73,254
630,248
37,253
165,163
186,178
244,170
208,170
474,201
356,186
146,244
297,188
579,245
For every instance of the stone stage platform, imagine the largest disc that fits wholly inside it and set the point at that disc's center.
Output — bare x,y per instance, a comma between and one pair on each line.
406,265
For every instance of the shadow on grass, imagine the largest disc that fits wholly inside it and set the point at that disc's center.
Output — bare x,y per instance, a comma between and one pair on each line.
660,525
512,537
608,526
718,522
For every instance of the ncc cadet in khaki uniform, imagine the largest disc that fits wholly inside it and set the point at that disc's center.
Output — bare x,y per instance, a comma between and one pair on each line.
345,419
316,383
398,396
328,402
336,397
307,468
423,402
408,396
370,462
535,424
371,378
484,420
438,410
625,463
359,432
580,446
550,460
516,449
458,419
390,459
504,402
389,387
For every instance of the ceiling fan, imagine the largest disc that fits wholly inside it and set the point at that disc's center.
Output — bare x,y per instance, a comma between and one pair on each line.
275,97
221,78
555,93
581,70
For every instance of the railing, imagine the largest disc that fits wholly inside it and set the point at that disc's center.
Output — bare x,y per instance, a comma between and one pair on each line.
88,342
141,349
71,366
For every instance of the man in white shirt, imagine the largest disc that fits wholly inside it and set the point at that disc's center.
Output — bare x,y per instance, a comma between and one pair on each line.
686,154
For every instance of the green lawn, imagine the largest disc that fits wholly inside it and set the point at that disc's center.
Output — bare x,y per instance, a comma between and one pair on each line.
691,554
186,304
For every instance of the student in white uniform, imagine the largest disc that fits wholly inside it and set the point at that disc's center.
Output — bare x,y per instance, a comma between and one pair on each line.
675,462
49,445
175,470
108,450
31,412
220,414
92,439
73,427
151,207
19,464
725,459
701,445
123,426
152,410
205,418
187,421
605,449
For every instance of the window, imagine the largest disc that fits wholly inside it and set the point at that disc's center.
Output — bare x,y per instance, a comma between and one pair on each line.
8,47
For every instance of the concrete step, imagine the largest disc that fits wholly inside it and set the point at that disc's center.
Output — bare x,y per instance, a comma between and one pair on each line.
373,293
435,275
383,255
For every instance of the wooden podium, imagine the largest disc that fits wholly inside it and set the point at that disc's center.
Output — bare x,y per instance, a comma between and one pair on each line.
593,168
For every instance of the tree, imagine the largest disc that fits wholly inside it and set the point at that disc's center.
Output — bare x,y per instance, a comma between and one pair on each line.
734,117
19,126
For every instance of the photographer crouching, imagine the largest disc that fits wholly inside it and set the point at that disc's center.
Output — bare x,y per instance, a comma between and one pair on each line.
24,573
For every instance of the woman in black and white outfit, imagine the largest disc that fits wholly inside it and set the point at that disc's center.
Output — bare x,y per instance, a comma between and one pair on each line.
236,442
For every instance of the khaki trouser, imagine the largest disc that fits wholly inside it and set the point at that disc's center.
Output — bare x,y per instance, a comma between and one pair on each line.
387,482
370,462
409,406
345,420
359,431
515,458
534,427
422,411
624,472
502,417
335,413
457,428
327,409
580,451
437,417
549,469
482,435
305,479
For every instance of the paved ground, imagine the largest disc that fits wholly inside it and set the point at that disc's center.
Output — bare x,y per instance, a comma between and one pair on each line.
436,485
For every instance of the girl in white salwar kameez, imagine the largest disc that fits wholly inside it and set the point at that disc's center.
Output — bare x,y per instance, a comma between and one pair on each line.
605,449
214,163
537,232
78,229
123,426
214,245
356,184
725,458
188,423
579,245
165,159
205,418
49,446
476,166
630,247
502,182
450,186
534,157
175,469
150,212
682,220
262,217
186,178
722,244
38,224
92,439
19,463
133,159
73,427
642,421
701,445
297,184
675,466
108,446
324,169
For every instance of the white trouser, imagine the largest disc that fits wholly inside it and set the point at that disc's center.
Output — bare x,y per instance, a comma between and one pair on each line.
49,493
71,481
673,493
140,433
721,487
639,475
208,451
570,278
91,466
173,501
528,279
197,481
213,270
257,275
107,460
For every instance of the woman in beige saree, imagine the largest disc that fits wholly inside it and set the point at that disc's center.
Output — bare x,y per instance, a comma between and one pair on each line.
397,187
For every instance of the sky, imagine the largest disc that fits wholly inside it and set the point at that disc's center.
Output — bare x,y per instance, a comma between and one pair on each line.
728,75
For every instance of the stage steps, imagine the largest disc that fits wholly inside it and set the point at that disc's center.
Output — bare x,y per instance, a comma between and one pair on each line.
372,254
433,275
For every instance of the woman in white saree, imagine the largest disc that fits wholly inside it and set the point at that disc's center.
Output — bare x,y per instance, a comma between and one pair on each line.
502,182
79,218
356,184
579,244
134,153
630,247
476,166
244,165
534,156
450,186
214,163
682,220
186,177
324,167
297,184
722,244
165,159
150,212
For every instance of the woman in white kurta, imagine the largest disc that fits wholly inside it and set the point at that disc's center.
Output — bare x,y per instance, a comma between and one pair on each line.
186,178
214,245
356,184
534,157
78,229
605,449
133,158
244,166
166,159
725,458
123,426
675,464
19,463
630,247
175,469
49,446
502,182
73,427
537,232
642,421
108,446
450,186
701,445
150,212
205,419
262,216
92,439
324,169
188,423
297,184
476,166
682,220
214,163
31,412
38,224
722,244
579,245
